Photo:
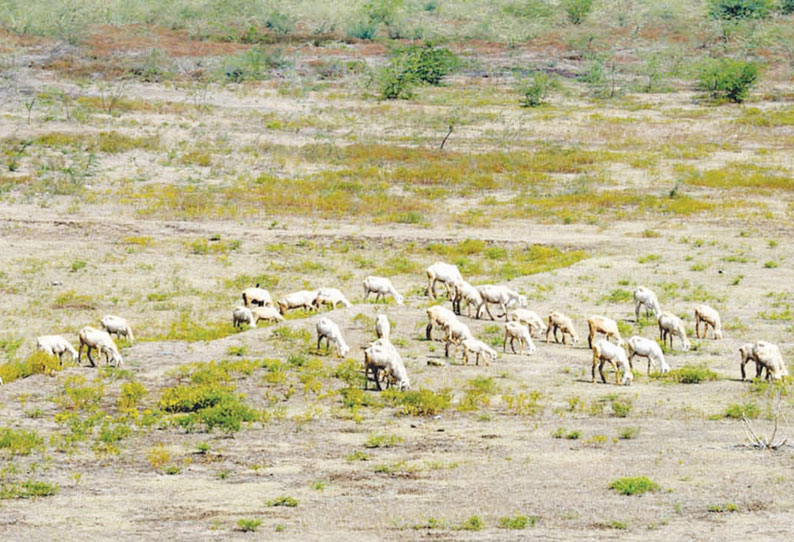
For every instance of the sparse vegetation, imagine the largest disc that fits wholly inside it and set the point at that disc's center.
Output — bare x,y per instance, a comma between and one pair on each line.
634,486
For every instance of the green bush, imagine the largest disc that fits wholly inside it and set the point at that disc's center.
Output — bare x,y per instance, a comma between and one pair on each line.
786,7
727,79
688,374
577,10
633,486
27,489
414,65
210,406
248,525
517,522
739,9
474,523
534,89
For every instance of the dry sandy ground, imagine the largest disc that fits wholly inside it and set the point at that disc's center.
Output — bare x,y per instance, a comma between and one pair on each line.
457,464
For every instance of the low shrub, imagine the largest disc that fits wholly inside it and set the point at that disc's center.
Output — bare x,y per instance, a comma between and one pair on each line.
248,524
688,374
517,522
727,79
422,402
284,500
634,486
27,489
534,89
18,441
738,411
577,10
739,9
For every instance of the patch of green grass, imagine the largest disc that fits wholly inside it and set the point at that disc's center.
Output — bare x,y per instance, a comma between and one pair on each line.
248,524
284,500
688,374
621,407
382,441
628,433
477,394
738,411
649,258
518,522
723,508
474,523
185,328
27,489
634,486
19,442
422,402
207,406
618,295
537,259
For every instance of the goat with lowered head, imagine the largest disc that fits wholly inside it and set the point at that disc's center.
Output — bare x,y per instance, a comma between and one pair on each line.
558,320
55,345
381,355
381,287
644,297
671,325
328,330
445,273
649,349
766,356
607,352
101,341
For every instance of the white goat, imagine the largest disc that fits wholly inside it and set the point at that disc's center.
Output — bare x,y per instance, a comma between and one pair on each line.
766,356
328,330
645,297
557,320
102,342
445,273
243,315
381,287
499,295
118,326
55,345
382,356
383,327
519,331
438,316
647,348
268,314
607,352
479,348
671,325
455,332
602,324
257,296
330,296
300,299
530,319
709,317
462,291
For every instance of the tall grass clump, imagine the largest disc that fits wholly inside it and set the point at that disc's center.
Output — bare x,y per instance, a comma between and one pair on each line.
577,10
688,374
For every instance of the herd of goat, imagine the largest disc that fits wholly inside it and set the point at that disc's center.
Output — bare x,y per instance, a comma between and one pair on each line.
383,362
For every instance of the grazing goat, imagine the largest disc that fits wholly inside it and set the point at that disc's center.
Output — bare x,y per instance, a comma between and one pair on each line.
645,297
243,315
455,332
55,345
671,325
709,317
438,316
607,352
499,295
462,291
257,296
602,324
118,326
268,314
530,319
330,296
766,356
383,327
647,348
300,299
328,330
381,287
479,348
518,331
100,340
381,355
557,320
445,273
